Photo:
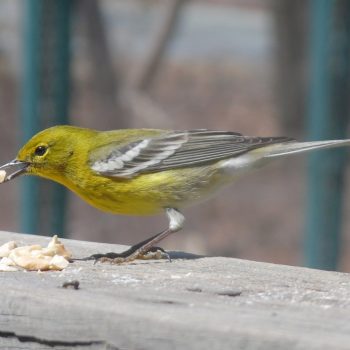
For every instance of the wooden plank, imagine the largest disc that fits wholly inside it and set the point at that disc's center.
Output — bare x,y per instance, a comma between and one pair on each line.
197,303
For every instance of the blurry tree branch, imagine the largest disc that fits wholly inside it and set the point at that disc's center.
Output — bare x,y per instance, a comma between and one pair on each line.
290,29
148,69
106,79
145,112
119,97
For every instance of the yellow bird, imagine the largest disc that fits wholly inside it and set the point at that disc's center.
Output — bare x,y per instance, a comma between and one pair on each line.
147,171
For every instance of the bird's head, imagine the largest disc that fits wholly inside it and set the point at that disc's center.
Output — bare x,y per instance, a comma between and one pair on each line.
46,154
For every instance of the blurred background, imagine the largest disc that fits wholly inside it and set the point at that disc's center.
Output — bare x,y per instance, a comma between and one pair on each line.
259,67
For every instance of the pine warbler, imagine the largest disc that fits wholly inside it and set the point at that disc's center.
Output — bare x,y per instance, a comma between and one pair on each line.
147,171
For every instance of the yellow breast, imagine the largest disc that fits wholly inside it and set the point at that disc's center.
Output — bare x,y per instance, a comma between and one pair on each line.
146,194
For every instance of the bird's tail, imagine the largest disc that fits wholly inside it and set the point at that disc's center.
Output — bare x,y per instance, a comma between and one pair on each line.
291,147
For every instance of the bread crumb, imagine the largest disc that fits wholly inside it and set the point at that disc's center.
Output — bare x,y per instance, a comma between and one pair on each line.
6,248
34,257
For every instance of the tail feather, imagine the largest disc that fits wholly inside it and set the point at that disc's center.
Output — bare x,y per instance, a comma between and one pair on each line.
292,147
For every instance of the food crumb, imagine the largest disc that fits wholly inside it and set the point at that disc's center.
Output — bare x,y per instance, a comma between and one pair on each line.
34,257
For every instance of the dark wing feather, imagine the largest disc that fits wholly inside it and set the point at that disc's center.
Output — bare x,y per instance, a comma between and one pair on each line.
177,149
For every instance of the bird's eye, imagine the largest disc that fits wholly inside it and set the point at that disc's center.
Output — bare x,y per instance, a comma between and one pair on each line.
40,150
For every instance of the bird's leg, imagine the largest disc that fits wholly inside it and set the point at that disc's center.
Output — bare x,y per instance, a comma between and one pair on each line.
141,250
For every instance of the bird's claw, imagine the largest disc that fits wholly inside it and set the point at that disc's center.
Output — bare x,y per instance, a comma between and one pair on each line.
154,253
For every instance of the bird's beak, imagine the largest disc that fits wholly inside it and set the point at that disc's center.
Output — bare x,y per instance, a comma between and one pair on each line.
13,169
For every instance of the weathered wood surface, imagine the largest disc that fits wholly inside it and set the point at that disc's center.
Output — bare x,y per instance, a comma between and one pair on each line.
198,303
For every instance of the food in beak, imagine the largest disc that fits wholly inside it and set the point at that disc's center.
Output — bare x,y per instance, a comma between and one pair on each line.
2,175
11,170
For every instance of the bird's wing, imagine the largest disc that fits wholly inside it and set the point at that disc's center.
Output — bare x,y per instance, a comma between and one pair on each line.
176,149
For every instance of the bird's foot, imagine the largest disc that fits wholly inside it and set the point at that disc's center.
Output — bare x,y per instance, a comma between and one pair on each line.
124,257
142,250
